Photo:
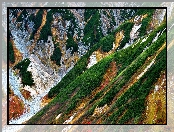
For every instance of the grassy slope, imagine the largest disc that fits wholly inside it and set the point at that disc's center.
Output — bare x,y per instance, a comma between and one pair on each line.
81,84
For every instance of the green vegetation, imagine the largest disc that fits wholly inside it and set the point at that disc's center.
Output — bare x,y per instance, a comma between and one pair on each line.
25,75
142,87
145,22
127,27
22,15
27,78
11,53
88,13
71,43
92,30
128,73
46,29
144,11
128,14
65,14
56,55
142,90
78,85
107,43
82,63
130,55
37,21
89,80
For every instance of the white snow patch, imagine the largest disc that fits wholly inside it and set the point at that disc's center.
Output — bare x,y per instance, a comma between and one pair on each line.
126,45
144,39
43,82
156,88
58,116
133,33
70,119
15,83
161,16
156,37
145,70
92,60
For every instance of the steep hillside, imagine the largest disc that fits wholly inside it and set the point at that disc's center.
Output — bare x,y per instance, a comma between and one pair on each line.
90,98
90,66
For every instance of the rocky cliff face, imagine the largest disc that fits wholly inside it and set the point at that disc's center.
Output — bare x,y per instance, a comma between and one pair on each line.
74,32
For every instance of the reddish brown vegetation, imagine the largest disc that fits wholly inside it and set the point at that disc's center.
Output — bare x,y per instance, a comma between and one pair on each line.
45,100
16,107
109,75
26,94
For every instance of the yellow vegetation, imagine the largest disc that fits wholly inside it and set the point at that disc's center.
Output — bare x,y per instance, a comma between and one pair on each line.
156,103
118,38
45,100
99,55
143,16
100,110
53,30
17,54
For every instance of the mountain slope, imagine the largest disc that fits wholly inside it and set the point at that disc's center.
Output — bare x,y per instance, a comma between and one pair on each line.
88,66
84,101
